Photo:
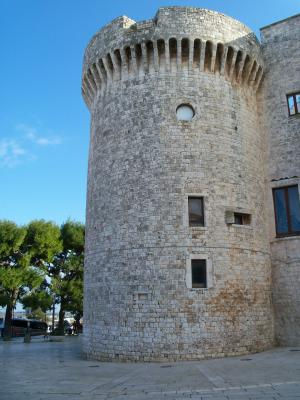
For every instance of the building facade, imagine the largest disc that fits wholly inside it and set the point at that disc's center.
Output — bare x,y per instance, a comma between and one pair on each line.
194,131
280,102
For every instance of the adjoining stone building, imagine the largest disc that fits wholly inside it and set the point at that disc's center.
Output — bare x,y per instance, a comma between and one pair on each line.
195,130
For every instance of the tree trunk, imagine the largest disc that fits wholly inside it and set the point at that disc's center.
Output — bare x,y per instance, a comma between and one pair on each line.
77,318
61,316
7,331
77,325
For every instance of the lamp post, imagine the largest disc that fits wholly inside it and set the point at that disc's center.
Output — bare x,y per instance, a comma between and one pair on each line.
53,313
27,337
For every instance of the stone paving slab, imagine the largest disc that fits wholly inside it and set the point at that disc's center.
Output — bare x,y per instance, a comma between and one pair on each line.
45,370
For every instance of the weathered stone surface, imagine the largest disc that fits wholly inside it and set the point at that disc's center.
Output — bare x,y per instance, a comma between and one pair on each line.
144,164
281,52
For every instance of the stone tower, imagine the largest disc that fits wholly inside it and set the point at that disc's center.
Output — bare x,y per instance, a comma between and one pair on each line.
178,262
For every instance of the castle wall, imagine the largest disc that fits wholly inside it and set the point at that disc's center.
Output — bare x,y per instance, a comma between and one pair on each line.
144,164
281,52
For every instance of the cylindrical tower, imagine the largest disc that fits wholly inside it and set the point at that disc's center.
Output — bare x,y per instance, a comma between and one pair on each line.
177,254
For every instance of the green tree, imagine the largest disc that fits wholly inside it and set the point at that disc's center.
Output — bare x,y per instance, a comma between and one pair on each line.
38,301
66,271
22,251
38,314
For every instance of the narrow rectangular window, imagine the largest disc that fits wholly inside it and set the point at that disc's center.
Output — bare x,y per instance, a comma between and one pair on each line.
297,96
287,210
199,275
196,211
293,103
242,219
294,208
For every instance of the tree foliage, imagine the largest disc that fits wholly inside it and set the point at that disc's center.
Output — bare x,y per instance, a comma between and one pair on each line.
39,299
40,264
66,271
23,250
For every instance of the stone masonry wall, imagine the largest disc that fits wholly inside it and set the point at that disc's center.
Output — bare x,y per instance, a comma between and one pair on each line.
281,52
144,164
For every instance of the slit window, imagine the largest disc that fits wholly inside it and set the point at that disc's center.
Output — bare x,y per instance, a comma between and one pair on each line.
293,103
287,211
196,211
199,274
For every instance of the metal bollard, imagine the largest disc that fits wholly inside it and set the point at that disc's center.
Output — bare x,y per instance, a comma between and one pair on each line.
27,337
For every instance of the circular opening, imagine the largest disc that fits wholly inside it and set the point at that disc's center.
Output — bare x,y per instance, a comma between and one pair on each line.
185,112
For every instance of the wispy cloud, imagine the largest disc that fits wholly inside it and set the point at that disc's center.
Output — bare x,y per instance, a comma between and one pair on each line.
21,146
34,136
11,153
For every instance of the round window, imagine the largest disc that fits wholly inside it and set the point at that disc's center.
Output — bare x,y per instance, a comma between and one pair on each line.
185,112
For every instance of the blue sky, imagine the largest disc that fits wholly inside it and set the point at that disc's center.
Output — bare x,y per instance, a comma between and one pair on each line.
44,124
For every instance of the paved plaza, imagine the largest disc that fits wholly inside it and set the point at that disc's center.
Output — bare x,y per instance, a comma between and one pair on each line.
56,371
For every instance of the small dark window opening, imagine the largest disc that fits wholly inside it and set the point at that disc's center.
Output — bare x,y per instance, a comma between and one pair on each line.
196,211
242,219
287,211
293,101
199,278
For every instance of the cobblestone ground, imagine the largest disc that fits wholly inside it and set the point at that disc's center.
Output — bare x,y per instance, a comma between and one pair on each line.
56,371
